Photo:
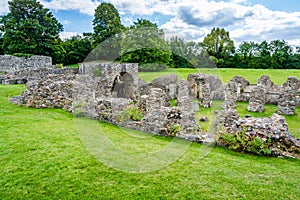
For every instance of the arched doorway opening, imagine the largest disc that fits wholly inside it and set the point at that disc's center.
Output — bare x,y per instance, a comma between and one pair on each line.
123,86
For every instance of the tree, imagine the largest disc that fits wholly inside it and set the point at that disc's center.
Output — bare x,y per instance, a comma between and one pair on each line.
107,23
29,28
188,54
59,52
218,44
246,55
144,43
281,53
77,48
1,43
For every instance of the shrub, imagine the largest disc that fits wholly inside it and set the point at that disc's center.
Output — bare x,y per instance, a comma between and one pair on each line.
60,66
26,55
246,142
132,113
174,129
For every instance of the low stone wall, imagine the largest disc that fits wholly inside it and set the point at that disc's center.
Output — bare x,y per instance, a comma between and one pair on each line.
19,70
22,76
10,64
52,91
273,129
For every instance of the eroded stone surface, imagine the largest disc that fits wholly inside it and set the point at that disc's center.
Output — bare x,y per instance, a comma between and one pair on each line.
257,99
104,90
230,96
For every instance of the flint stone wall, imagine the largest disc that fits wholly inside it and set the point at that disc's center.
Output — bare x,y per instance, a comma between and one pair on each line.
289,98
107,76
23,76
274,127
52,91
257,99
19,70
10,64
196,82
165,120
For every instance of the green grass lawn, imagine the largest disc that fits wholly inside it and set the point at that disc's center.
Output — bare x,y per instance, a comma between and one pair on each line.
72,66
43,156
252,75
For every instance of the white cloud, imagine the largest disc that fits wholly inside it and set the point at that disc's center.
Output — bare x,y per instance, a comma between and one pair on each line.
244,22
66,22
3,7
83,6
194,19
239,1
67,35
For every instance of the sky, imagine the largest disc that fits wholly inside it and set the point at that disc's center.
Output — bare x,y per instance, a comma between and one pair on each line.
246,20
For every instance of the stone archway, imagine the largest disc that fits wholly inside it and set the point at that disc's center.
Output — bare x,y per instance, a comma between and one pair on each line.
123,86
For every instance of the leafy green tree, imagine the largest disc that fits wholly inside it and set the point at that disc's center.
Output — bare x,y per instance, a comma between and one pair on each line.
246,55
1,44
219,45
188,54
29,28
281,53
144,43
276,54
59,52
107,23
77,48
179,55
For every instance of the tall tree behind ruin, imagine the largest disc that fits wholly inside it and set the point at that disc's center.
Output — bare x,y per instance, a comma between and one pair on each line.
107,23
219,45
29,28
144,43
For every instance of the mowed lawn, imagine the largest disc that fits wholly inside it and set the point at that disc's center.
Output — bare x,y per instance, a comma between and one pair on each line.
42,156
252,75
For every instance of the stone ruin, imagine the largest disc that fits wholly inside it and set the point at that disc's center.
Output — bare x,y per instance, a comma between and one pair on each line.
19,70
257,99
287,101
105,91
274,129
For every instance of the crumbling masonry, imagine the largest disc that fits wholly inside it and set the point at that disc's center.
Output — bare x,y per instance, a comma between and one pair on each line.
105,91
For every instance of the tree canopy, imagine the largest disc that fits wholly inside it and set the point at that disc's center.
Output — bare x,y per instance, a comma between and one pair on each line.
219,45
144,43
29,28
107,23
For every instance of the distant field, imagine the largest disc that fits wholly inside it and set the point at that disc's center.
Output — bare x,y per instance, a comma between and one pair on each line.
42,156
277,76
225,74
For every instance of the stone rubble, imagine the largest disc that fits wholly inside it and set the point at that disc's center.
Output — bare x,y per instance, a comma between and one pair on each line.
104,90
275,128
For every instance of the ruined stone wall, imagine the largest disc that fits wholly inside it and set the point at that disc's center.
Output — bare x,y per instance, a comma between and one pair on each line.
22,76
19,70
11,64
109,76
52,91
257,99
273,129
276,129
